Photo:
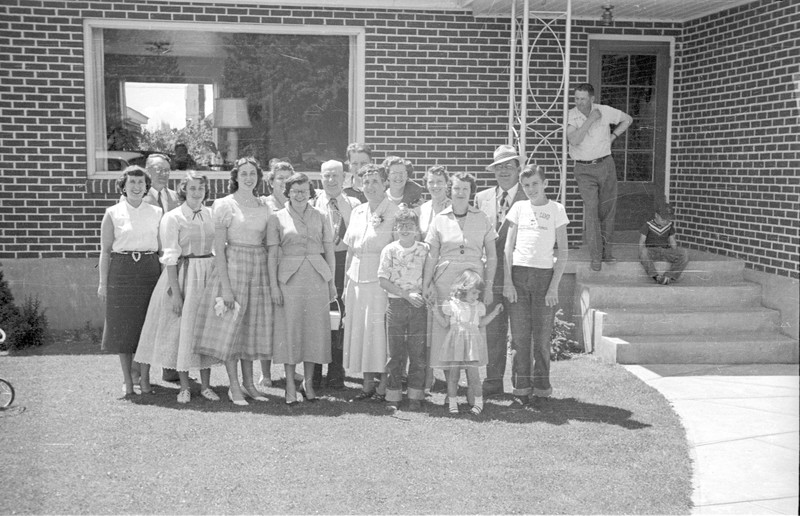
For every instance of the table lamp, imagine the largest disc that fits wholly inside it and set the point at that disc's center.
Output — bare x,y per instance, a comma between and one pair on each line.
231,114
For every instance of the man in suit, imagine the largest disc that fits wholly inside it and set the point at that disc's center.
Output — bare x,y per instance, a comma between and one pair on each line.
495,203
337,207
158,166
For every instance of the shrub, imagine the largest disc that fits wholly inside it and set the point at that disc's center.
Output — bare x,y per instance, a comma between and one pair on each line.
562,346
26,327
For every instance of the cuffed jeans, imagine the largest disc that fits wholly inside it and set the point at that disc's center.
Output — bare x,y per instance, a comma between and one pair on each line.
531,326
597,184
677,257
407,330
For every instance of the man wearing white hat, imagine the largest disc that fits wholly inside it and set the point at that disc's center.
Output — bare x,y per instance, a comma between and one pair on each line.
495,203
590,138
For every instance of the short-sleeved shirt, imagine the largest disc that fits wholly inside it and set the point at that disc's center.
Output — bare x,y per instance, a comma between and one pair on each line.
403,265
246,225
597,142
186,233
460,245
657,236
301,236
135,228
536,232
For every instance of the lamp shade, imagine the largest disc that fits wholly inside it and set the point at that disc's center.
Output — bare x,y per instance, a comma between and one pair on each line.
231,113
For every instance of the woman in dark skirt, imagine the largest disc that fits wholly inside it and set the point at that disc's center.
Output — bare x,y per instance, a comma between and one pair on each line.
129,267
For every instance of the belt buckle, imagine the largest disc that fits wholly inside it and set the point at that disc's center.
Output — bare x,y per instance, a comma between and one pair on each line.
136,255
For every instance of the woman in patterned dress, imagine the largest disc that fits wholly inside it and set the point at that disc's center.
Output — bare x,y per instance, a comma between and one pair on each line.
234,323
167,340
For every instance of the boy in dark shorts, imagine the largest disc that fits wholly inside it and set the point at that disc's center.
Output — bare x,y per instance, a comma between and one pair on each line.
657,243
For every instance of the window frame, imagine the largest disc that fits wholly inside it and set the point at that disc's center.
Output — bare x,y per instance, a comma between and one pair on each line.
356,100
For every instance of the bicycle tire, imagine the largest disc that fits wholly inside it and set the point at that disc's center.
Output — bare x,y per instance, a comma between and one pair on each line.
6,394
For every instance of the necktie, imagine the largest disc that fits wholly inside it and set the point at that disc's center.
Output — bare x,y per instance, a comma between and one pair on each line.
503,209
198,213
160,199
339,226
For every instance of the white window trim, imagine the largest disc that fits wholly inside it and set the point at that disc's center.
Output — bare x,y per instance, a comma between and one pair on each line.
356,102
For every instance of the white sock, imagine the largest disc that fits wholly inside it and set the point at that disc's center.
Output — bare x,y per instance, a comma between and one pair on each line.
479,402
453,403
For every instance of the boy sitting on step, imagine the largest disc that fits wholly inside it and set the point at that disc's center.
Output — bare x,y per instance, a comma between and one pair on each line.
657,243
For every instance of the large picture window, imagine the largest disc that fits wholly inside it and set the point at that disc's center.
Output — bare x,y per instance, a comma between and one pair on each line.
223,91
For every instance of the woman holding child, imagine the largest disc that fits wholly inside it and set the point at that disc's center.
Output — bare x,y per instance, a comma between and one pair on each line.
167,340
459,236
370,230
301,284
234,322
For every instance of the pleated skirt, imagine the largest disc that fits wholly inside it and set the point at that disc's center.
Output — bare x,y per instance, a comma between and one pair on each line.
167,339
130,285
246,334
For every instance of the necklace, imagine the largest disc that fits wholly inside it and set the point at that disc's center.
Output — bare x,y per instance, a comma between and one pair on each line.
462,215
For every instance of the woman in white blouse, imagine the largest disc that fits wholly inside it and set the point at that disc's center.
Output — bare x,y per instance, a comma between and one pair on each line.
167,340
129,267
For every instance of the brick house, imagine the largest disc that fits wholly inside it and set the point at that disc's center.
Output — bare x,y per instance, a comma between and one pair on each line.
428,80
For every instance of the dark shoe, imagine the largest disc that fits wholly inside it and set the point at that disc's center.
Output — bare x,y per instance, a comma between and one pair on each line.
363,396
414,405
597,266
378,397
607,258
539,402
520,402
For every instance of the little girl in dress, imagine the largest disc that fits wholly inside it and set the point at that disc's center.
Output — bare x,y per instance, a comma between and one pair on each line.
465,343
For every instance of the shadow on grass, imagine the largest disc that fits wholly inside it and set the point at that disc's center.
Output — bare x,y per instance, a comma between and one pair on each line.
337,403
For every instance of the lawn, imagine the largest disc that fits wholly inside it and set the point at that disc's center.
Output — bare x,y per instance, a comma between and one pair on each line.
71,443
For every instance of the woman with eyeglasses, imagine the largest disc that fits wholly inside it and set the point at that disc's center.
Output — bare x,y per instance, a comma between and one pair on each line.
167,340
301,264
129,268
234,323
402,190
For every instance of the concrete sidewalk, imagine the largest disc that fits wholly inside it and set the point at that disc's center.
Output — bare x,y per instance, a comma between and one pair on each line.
742,425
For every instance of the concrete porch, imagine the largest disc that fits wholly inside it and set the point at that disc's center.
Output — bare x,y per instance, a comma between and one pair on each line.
717,314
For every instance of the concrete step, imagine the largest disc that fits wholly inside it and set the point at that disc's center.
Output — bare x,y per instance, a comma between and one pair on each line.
638,294
698,272
687,320
727,348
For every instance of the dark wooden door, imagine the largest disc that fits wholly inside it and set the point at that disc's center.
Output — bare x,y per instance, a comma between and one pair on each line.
633,76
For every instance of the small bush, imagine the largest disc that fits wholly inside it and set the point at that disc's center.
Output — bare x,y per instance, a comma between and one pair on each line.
33,330
562,346
9,314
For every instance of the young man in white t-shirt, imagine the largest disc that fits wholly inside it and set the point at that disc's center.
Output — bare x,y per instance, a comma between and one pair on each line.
531,282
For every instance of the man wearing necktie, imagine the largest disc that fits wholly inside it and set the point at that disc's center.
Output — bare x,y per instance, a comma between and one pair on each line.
336,206
495,203
158,167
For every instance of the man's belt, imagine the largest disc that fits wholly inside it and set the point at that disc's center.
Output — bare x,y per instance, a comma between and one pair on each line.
593,161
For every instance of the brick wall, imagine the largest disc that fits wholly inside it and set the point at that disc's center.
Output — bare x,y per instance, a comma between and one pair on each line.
735,145
435,92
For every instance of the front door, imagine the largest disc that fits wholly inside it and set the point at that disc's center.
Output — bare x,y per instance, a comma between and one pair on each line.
633,76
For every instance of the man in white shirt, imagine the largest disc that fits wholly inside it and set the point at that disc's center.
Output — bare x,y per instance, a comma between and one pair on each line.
158,166
337,207
590,138
495,203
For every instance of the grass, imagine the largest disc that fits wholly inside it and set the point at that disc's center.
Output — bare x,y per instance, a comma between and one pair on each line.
607,443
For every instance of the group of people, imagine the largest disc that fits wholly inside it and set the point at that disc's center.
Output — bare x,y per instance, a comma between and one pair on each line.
419,285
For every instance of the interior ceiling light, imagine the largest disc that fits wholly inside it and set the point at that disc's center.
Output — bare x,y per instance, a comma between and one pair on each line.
608,15
159,47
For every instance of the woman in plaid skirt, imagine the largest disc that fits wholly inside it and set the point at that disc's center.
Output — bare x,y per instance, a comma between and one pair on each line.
235,318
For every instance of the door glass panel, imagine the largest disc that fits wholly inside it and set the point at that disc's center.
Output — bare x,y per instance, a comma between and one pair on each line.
643,70
615,69
639,166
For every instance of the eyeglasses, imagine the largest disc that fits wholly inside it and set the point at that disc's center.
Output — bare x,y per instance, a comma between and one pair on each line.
508,165
298,192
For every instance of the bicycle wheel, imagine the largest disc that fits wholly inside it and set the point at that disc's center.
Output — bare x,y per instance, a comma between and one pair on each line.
6,394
